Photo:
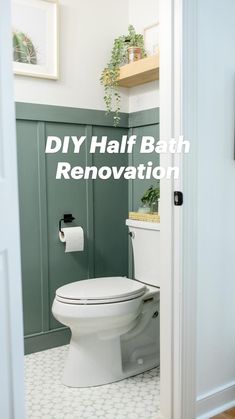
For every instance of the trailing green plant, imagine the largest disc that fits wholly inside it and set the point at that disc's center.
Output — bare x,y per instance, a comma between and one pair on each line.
151,195
110,74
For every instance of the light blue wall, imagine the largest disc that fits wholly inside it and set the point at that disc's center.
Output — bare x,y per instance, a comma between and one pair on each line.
216,195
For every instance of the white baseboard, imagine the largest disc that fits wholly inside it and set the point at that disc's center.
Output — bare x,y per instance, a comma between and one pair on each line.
216,401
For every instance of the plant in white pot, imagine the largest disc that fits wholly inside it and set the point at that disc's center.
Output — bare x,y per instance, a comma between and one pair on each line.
150,200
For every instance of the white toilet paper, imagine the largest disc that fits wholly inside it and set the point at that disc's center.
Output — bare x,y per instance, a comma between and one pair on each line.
73,237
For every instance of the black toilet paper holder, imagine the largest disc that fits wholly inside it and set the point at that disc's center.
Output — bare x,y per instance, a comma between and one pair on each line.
68,218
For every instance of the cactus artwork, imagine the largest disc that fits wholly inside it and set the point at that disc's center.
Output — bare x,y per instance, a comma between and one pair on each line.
23,49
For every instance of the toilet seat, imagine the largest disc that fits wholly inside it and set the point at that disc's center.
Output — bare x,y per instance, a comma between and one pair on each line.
100,291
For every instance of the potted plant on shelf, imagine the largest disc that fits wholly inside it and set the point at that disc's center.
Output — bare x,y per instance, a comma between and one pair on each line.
150,200
135,42
126,48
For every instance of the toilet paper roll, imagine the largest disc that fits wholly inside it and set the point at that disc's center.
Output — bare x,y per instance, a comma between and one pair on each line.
73,237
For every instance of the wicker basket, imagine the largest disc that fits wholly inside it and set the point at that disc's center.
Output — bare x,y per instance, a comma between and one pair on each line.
153,218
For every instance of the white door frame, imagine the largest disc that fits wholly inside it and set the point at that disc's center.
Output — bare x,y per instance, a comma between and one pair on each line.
178,225
11,325
178,99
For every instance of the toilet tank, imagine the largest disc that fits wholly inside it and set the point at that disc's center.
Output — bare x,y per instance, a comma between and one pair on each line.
145,238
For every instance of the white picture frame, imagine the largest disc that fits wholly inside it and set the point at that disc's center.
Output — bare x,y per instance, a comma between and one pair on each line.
151,39
35,38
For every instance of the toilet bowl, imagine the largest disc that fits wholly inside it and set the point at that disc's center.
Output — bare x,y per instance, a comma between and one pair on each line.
114,323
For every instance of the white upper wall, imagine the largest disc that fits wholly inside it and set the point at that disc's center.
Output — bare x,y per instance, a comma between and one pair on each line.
143,13
87,30
216,197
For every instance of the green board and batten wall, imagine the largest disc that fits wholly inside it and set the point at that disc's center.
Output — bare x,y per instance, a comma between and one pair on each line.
100,207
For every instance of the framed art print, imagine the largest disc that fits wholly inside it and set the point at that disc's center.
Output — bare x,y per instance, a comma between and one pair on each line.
35,38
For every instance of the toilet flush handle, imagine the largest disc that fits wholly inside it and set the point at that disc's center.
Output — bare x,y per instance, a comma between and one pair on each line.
131,234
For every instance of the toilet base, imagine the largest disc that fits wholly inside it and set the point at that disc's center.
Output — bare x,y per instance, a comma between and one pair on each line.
94,361
99,365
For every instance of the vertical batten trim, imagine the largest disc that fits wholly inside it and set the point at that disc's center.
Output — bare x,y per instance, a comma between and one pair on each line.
42,192
90,206
130,162
130,207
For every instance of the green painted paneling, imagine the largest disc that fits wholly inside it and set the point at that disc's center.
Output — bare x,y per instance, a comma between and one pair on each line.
43,224
30,225
49,113
111,211
100,207
144,118
141,123
140,186
46,340
65,196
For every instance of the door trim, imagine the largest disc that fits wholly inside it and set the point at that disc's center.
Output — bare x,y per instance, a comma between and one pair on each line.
178,99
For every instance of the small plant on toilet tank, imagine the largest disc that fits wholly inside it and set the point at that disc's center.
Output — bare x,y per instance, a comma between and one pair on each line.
150,200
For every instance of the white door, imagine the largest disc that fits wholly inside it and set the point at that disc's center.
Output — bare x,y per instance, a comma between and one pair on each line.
11,330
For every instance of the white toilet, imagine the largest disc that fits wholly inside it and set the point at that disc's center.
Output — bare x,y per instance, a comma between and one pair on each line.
114,321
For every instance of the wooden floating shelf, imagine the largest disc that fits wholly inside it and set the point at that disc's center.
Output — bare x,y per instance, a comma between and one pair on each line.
139,72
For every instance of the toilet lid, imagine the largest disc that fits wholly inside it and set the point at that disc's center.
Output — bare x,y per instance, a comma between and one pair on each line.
100,290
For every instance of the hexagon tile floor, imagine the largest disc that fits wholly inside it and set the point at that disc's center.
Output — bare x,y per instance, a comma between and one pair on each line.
134,398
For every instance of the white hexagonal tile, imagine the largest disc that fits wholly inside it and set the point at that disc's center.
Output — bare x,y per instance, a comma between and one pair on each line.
46,398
